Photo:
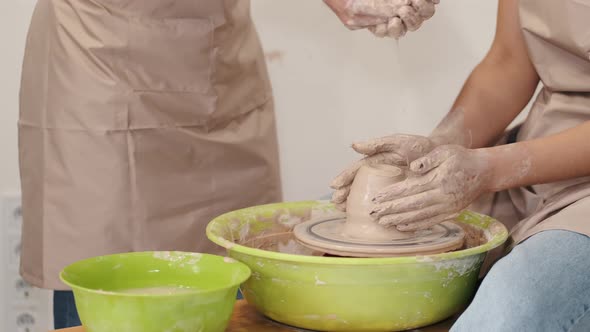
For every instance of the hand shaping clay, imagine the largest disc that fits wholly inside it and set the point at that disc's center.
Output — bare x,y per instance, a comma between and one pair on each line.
359,235
369,180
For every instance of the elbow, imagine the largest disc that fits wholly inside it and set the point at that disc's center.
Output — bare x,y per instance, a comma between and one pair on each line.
515,65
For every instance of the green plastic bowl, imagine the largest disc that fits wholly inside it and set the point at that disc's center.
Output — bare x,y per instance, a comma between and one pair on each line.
291,285
206,284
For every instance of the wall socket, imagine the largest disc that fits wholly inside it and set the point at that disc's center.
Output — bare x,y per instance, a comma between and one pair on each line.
12,216
24,321
24,307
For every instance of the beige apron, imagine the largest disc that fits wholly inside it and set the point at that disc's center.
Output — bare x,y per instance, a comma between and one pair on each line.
140,121
557,34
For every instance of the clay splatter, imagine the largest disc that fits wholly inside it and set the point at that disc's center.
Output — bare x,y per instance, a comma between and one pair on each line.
229,260
319,282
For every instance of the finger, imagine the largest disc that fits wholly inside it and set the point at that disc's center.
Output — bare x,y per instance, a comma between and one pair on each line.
400,143
364,21
380,30
381,8
407,218
408,187
347,176
396,28
425,8
430,161
374,146
406,204
340,207
427,223
410,17
339,196
350,20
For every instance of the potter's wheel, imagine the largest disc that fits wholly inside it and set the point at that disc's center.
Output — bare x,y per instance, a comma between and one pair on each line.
329,236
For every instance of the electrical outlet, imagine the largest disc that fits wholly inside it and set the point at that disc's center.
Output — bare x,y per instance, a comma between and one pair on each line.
25,321
22,294
13,251
23,308
12,216
30,315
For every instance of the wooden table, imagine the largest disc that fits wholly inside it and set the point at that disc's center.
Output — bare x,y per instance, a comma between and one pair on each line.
246,319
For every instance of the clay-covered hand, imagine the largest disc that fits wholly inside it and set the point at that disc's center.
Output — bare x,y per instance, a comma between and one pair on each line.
399,150
409,18
441,185
391,18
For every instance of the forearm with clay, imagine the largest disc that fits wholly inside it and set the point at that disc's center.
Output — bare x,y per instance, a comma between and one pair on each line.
499,87
467,125
451,177
562,156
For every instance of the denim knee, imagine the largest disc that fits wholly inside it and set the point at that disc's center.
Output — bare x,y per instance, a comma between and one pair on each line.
542,285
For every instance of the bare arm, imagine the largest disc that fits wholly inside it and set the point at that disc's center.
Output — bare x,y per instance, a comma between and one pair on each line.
497,90
495,93
554,158
450,177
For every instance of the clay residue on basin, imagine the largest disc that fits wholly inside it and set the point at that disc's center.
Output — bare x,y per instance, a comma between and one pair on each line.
473,236
281,242
271,232
275,233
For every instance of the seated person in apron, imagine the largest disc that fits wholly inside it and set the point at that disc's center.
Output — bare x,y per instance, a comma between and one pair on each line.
535,179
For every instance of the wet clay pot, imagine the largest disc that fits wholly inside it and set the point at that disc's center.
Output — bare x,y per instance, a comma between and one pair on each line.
369,181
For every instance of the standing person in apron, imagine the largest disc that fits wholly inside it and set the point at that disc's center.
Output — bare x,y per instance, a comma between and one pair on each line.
140,121
537,181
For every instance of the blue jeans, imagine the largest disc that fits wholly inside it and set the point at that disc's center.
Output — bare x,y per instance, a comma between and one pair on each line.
64,309
543,284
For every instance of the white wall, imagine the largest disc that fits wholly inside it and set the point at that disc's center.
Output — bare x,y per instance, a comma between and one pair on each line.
14,20
331,86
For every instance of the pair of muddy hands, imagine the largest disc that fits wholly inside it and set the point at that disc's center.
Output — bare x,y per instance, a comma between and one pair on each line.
384,18
442,180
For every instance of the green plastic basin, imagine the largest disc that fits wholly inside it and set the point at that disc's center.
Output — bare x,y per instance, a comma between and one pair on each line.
298,287
118,292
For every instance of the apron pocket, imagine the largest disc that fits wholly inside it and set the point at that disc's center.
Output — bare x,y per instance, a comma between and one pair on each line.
170,54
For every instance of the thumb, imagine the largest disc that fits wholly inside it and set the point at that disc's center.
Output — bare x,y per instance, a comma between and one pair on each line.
376,145
399,143
380,8
379,30
425,8
430,161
